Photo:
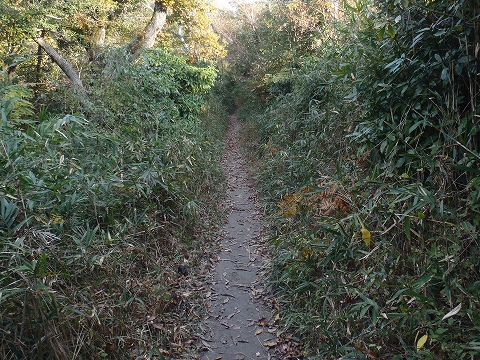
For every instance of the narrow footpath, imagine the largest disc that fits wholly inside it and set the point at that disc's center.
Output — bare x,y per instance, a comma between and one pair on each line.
239,325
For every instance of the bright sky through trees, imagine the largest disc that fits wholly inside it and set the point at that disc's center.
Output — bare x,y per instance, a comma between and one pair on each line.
223,4
229,4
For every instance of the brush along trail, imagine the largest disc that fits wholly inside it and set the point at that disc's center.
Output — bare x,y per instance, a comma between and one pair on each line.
239,324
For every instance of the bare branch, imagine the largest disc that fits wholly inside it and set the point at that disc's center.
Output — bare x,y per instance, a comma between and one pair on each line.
61,62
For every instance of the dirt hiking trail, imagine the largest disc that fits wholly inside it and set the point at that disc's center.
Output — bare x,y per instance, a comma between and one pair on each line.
239,325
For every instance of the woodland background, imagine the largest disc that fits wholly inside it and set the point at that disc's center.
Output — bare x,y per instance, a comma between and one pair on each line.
362,127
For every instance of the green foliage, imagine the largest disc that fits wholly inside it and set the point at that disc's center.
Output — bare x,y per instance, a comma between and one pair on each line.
425,119
94,213
190,32
15,106
85,33
376,133
265,37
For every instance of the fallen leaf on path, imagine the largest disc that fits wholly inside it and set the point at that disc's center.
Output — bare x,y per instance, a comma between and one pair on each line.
206,345
258,332
262,322
270,344
256,292
227,295
233,314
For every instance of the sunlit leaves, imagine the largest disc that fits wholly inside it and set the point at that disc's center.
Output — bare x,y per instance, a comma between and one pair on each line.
14,104
68,18
190,32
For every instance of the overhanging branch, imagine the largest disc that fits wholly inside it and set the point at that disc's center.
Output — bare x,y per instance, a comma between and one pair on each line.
61,62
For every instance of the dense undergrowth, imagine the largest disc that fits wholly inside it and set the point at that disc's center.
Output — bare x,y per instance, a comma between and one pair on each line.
368,158
102,212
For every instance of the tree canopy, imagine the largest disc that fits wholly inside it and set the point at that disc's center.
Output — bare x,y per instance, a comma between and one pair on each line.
75,34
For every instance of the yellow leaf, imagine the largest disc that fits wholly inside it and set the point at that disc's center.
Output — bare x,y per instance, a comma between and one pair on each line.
306,253
290,211
41,219
366,236
421,342
56,219
288,206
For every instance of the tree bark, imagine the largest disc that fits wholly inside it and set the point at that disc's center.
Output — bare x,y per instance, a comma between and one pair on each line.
154,26
61,62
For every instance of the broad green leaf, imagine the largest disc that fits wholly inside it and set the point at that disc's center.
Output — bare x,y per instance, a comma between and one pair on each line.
391,31
381,33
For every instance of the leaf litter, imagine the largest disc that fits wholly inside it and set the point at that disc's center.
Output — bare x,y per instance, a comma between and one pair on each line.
242,319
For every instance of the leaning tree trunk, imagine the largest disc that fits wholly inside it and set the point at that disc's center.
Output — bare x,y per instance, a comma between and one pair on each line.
61,62
154,26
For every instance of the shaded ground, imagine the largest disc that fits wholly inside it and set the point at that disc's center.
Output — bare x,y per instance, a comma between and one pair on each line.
239,324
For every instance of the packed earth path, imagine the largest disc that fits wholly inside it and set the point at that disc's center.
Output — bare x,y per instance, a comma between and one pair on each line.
239,324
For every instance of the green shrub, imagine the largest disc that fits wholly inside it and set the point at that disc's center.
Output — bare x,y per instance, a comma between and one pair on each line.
95,213
367,153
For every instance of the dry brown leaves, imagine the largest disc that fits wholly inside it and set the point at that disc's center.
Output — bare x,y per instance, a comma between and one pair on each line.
330,202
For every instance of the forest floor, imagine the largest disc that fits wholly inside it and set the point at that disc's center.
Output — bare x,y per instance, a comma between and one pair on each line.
241,322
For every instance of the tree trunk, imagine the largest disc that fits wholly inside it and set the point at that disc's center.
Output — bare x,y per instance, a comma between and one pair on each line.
38,75
154,26
61,62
